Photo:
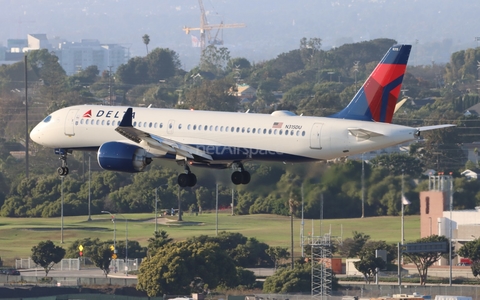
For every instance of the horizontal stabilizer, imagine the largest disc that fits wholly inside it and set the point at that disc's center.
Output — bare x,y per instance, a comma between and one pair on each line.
433,127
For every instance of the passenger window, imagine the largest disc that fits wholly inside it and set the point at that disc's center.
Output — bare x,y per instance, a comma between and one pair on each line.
226,129
188,126
221,128
199,127
108,122
243,129
205,128
269,131
216,128
232,129
86,122
179,126
170,125
298,133
194,127
161,125
275,131
291,132
211,128
303,133
103,122
286,132
150,125
264,131
76,122
253,130
155,125
238,129
139,124
280,132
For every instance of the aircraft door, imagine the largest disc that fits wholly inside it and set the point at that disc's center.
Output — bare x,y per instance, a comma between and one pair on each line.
70,122
171,124
315,136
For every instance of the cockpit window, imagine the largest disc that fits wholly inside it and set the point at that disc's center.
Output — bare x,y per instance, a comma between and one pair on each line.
47,119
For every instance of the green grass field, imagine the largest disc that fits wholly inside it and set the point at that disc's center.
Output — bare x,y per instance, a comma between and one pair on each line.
19,235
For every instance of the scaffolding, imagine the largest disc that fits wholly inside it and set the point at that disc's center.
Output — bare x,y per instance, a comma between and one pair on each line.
321,266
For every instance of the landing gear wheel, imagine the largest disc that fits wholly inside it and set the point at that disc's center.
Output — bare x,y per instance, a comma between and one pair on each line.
62,171
187,179
183,180
192,179
245,177
237,177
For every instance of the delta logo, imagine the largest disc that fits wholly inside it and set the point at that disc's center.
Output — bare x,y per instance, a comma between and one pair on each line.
88,114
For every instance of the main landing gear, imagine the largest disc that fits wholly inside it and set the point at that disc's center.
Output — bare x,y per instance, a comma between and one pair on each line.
240,176
187,178
63,170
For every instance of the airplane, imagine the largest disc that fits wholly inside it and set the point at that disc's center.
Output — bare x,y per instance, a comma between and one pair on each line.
128,139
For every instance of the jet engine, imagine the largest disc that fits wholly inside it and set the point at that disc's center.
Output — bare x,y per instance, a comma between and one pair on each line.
116,156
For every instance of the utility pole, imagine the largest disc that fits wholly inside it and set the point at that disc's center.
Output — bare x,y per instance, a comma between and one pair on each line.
89,188
110,85
26,119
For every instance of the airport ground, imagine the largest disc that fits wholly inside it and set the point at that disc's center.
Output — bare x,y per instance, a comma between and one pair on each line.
19,235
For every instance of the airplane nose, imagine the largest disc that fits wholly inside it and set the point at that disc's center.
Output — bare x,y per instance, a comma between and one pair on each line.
36,134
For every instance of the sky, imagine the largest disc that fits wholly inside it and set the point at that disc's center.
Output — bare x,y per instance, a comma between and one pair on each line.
436,28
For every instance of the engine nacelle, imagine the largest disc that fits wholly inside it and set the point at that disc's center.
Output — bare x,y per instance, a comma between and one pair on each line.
116,156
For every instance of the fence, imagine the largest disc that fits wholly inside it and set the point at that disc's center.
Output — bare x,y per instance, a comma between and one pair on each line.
70,264
374,291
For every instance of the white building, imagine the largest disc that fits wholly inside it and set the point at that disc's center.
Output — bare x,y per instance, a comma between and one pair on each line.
73,56
78,56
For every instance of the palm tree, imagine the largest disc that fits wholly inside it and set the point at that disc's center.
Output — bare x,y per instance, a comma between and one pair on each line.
146,41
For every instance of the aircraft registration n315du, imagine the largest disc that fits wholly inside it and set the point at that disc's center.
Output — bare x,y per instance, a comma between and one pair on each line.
127,139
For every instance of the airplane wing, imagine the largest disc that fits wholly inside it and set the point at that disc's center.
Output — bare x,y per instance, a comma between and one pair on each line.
162,144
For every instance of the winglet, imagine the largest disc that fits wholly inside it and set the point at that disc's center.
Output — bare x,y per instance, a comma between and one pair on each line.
127,118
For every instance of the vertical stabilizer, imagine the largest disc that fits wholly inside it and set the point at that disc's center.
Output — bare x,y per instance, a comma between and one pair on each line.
376,99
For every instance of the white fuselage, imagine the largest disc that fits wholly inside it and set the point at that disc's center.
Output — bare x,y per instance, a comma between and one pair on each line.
226,136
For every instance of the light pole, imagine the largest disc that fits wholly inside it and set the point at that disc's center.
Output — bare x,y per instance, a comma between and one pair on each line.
126,244
114,230
89,188
156,204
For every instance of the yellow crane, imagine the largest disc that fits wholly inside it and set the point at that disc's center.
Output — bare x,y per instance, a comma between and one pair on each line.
206,28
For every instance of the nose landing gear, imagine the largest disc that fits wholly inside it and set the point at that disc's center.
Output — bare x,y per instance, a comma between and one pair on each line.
63,170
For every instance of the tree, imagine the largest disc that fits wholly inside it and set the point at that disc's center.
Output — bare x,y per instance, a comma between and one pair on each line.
146,40
288,280
424,260
101,255
159,240
277,253
471,250
179,268
368,264
352,247
212,95
214,59
46,254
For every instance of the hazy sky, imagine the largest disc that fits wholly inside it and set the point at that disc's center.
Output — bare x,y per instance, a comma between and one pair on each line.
436,27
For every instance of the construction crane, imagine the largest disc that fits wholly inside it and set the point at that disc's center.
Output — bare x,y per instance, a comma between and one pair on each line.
205,29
